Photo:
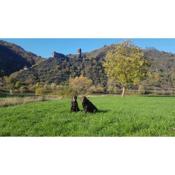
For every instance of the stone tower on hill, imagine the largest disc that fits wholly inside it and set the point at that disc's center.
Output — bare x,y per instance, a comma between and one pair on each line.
79,53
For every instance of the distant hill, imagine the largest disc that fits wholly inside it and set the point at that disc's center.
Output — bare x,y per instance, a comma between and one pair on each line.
13,58
163,65
101,52
59,69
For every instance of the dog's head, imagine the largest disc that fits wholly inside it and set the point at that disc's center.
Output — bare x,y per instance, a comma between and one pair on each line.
84,98
74,98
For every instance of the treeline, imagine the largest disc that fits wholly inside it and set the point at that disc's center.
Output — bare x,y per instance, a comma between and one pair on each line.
75,86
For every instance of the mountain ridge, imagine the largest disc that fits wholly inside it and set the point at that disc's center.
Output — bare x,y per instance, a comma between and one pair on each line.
13,58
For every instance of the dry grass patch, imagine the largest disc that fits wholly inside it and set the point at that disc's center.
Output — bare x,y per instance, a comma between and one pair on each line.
20,100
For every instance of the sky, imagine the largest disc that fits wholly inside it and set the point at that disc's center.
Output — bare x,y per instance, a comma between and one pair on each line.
45,47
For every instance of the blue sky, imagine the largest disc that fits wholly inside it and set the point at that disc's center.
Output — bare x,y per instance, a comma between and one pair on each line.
45,47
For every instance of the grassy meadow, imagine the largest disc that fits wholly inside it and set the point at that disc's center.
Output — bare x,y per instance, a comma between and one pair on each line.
128,116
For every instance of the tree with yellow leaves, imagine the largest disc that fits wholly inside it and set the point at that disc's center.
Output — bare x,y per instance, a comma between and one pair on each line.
126,65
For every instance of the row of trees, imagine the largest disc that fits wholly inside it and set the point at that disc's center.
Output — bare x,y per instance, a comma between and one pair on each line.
75,86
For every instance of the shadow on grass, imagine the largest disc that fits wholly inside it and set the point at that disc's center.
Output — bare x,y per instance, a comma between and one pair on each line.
99,111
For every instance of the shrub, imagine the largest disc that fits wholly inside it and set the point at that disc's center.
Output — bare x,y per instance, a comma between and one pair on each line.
141,89
39,91
23,89
96,89
80,85
63,91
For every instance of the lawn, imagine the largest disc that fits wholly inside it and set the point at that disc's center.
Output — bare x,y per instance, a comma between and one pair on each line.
128,116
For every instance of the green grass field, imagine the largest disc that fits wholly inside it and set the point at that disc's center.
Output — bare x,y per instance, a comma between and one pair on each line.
128,116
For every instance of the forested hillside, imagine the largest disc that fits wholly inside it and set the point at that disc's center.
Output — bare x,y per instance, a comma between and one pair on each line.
14,58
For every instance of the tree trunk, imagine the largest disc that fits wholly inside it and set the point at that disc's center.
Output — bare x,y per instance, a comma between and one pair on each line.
123,91
11,92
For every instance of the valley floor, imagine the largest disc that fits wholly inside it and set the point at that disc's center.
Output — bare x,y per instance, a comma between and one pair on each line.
128,116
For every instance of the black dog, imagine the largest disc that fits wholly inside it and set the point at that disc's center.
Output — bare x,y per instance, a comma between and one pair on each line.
74,104
88,106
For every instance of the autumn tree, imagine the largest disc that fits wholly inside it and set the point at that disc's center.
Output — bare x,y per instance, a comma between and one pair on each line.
39,90
126,65
80,85
10,83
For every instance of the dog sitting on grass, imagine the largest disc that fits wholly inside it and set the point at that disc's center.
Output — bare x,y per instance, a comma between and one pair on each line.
74,104
88,106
